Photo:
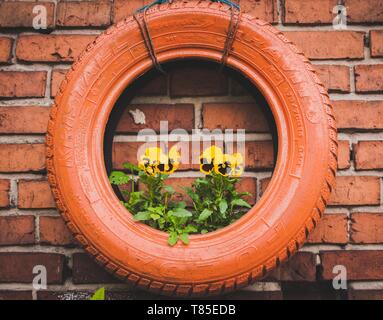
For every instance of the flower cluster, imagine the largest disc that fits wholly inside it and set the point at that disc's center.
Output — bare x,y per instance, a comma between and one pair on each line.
213,159
155,161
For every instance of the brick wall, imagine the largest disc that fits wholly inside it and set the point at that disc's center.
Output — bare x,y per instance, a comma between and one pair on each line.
350,63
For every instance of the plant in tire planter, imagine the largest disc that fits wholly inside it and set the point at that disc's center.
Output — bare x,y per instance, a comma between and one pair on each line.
215,201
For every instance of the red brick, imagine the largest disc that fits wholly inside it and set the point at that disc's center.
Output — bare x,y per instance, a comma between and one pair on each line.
58,75
156,86
83,13
24,119
4,193
53,231
343,155
194,80
309,11
349,44
5,49
259,155
51,48
264,184
15,295
248,185
22,84
35,194
373,294
20,13
356,190
332,228
370,11
17,230
369,155
353,114
366,227
369,78
18,267
360,264
247,116
376,39
179,116
301,267
22,157
86,270
335,78
261,9
125,8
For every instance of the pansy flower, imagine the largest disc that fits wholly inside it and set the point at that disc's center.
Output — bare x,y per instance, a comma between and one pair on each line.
209,158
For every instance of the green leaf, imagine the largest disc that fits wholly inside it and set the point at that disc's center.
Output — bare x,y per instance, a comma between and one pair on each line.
155,216
223,206
190,229
142,216
180,213
173,238
131,167
184,238
205,214
240,203
118,178
99,294
169,189
204,231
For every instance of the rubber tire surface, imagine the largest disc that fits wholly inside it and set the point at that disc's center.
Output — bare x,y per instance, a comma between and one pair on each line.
271,231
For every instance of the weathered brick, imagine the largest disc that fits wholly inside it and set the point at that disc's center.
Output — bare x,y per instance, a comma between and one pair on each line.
366,227
376,39
261,9
154,86
15,295
22,119
301,267
51,48
343,155
247,116
350,44
369,78
194,80
358,114
356,190
83,13
178,116
5,49
58,75
4,193
124,8
53,231
22,157
368,155
86,270
357,294
35,194
360,264
335,78
332,228
309,11
18,267
17,230
259,155
22,84
15,14
370,11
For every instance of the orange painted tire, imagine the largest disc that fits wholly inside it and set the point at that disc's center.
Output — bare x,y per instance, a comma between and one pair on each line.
271,231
